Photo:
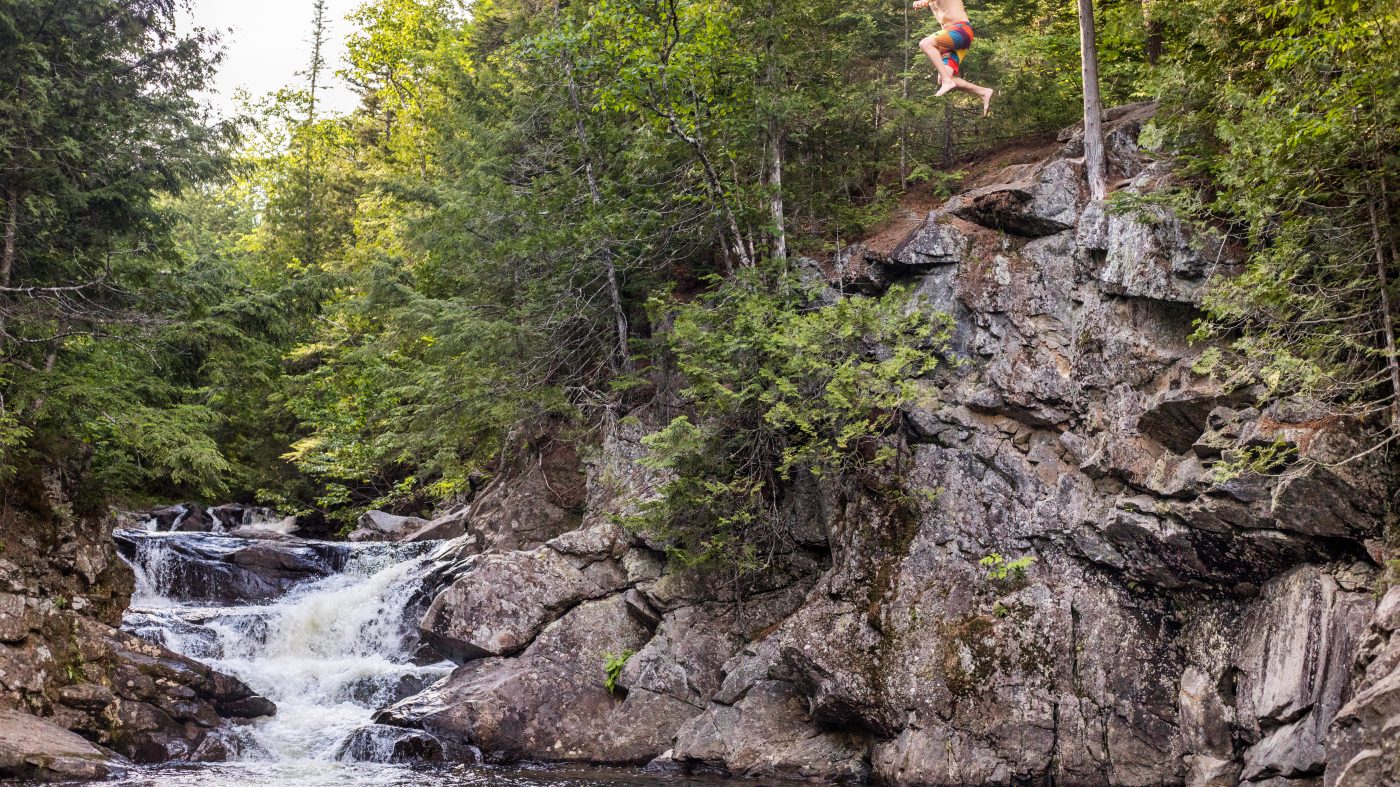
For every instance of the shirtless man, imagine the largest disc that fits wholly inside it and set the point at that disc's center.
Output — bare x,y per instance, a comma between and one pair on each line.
947,48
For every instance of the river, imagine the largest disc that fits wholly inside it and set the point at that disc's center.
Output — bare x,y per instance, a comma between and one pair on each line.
329,653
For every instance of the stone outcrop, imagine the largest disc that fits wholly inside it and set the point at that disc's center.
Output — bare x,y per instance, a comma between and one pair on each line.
1171,628
220,569
62,592
32,749
1363,745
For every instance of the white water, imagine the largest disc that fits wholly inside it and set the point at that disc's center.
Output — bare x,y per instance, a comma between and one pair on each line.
329,653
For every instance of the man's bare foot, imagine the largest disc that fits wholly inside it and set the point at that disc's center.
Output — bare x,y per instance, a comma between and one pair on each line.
945,86
986,94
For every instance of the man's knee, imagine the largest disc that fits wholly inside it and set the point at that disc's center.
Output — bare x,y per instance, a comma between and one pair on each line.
929,44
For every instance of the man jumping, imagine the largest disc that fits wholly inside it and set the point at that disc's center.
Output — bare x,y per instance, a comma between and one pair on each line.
947,48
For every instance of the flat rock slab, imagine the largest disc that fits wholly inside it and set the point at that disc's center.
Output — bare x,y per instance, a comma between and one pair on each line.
34,749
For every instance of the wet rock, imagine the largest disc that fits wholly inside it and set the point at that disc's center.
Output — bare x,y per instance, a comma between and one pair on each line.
34,749
382,743
550,703
184,518
224,570
387,527
232,516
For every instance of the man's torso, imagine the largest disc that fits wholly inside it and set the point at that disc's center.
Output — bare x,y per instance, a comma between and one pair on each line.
949,12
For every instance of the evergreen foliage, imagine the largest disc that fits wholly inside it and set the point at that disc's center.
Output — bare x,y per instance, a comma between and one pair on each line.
1288,114
778,384
372,309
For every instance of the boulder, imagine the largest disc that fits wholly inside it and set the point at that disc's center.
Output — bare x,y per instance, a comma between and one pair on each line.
221,569
501,602
382,743
550,702
389,525
446,527
34,749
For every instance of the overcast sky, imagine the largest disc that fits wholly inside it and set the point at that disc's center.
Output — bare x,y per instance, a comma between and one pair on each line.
267,45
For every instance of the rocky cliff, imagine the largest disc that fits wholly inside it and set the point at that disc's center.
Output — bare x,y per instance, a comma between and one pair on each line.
1170,629
64,666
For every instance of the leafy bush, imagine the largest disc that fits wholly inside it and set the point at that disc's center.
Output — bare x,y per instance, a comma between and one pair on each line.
779,385
999,569
612,667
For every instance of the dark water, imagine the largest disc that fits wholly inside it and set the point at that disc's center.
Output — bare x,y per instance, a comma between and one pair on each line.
363,774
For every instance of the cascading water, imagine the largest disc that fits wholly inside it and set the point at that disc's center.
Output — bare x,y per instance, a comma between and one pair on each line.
329,651
324,630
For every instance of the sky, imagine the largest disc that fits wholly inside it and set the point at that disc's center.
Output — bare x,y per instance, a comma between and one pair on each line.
267,44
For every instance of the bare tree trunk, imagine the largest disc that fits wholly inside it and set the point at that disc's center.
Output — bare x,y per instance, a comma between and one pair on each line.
947,134
717,189
1152,32
1094,167
614,291
904,94
775,183
1387,315
7,261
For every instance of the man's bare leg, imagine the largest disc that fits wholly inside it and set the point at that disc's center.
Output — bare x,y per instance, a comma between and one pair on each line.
984,93
929,47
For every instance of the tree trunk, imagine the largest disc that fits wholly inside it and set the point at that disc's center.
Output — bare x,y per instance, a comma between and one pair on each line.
7,261
596,196
1387,316
904,118
947,135
775,184
1094,167
1152,33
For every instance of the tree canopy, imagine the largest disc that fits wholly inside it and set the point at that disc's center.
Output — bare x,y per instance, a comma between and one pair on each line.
327,312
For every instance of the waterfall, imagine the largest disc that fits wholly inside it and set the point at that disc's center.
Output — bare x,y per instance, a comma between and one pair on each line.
329,651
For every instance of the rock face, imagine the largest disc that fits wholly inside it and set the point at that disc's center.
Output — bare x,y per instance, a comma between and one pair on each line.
1170,629
223,570
62,592
34,749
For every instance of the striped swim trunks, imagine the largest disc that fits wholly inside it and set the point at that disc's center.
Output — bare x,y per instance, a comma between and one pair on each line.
954,42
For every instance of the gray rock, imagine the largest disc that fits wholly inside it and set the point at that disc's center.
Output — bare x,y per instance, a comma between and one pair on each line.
501,602
381,743
34,749
1170,630
450,525
549,702
1045,204
390,525
226,570
1295,649
766,735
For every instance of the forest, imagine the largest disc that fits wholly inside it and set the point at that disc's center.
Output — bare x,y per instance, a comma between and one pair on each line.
538,205
617,392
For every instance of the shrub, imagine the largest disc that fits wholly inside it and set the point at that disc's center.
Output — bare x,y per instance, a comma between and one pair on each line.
780,384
